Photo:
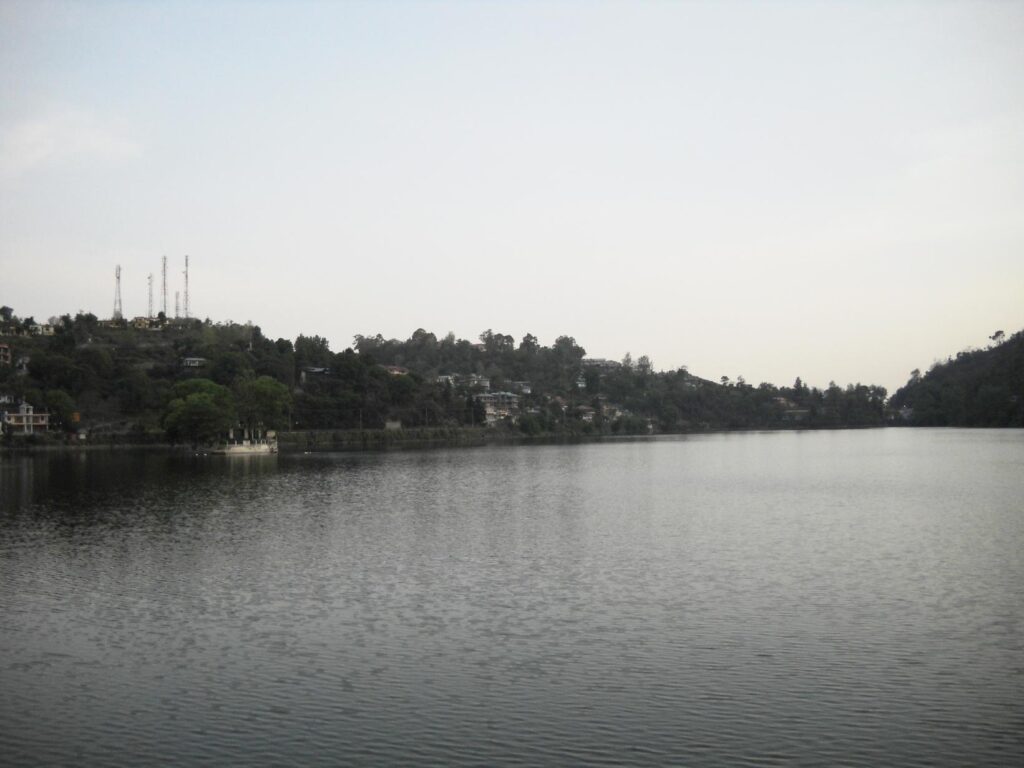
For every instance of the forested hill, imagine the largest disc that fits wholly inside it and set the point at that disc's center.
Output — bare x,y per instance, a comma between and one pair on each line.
977,388
156,378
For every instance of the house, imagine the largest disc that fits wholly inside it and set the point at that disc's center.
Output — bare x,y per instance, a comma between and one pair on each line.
396,370
41,329
193,362
446,381
476,381
581,382
5,354
586,414
146,323
499,405
610,411
600,364
25,421
522,387
312,372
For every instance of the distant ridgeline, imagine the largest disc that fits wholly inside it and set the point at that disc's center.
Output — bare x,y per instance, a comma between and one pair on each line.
977,388
152,379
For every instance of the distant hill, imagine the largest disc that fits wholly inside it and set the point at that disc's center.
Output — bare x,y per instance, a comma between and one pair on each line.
977,388
148,377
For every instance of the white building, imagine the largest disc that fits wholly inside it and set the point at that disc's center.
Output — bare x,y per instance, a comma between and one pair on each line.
25,421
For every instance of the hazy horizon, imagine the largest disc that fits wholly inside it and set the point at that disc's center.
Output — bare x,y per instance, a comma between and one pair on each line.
831,192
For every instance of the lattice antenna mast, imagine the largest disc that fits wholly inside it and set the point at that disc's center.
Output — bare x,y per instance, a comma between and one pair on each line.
177,304
149,281
163,303
186,286
117,293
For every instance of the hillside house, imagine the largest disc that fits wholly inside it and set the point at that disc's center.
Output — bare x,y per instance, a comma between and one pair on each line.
25,421
600,364
499,406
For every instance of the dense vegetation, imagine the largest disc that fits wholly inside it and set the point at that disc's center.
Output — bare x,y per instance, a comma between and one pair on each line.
108,378
976,388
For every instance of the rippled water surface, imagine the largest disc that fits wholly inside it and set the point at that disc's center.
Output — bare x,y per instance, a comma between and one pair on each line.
818,598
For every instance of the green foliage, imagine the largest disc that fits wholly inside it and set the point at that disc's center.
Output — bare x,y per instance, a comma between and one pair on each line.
200,411
312,351
976,388
122,375
61,408
263,401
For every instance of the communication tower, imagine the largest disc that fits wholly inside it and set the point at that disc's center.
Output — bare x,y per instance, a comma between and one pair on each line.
177,304
163,303
186,286
117,293
149,281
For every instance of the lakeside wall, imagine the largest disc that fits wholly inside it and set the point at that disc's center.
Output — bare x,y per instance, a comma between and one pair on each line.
300,441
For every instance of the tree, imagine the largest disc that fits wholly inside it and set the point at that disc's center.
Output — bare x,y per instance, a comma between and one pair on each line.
529,345
229,367
313,351
199,411
263,401
6,313
61,408
197,418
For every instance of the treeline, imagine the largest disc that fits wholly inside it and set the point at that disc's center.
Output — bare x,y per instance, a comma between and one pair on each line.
186,378
975,388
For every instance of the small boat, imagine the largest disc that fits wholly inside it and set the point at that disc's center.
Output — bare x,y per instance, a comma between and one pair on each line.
246,442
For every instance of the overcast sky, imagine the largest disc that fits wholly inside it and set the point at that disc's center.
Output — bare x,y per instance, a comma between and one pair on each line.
826,190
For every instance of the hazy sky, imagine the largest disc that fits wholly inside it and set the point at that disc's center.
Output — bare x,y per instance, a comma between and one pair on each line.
828,190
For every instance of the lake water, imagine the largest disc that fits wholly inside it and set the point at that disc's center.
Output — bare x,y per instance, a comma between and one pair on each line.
816,598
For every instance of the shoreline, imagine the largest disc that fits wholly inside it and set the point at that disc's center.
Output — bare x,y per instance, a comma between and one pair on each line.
351,441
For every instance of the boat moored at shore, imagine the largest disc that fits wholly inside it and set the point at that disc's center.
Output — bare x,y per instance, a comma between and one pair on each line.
247,442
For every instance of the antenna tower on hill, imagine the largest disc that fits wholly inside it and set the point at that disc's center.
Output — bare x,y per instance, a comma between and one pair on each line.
117,293
186,286
177,304
149,281
163,303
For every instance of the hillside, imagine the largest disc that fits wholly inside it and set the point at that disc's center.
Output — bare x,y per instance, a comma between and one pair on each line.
976,388
186,377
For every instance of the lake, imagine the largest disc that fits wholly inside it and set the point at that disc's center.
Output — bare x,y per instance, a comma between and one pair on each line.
790,598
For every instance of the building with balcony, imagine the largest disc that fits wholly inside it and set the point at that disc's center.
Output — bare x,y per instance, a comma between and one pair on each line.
25,421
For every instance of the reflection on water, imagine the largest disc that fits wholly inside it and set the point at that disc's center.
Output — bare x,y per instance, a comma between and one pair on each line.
793,598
